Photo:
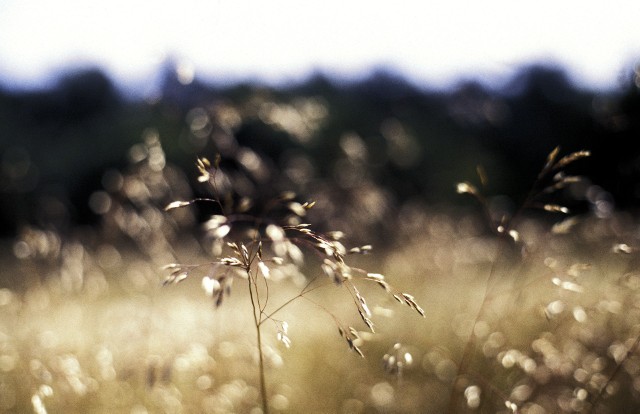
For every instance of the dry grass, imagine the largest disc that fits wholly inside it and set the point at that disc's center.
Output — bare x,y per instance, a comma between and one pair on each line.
547,324
551,339
266,249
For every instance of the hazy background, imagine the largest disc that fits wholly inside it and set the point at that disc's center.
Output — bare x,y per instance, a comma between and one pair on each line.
374,111
412,95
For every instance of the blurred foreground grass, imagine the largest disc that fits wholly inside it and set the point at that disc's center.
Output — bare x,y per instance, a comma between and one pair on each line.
91,330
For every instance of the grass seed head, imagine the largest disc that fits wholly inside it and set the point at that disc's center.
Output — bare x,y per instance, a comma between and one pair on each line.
466,188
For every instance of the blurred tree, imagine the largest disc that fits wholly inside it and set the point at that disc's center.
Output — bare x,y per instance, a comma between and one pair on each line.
377,132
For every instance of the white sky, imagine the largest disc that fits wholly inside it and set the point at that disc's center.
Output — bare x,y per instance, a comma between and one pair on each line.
430,41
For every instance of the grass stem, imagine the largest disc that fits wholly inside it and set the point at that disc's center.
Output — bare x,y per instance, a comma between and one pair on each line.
257,323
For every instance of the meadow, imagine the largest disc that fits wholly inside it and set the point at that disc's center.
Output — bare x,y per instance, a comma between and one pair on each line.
138,315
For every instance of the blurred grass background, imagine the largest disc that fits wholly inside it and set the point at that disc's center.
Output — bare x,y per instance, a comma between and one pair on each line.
86,327
379,132
99,334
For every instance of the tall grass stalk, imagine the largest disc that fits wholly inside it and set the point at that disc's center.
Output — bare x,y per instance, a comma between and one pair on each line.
252,246
549,180
257,325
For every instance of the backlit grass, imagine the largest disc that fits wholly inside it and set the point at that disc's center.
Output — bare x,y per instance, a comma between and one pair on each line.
91,330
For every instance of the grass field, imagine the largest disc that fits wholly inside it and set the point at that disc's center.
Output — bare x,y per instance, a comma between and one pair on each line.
89,328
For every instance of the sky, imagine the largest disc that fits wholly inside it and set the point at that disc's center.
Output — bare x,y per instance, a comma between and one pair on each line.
434,43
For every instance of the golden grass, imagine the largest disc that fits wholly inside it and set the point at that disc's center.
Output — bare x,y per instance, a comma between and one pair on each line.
93,335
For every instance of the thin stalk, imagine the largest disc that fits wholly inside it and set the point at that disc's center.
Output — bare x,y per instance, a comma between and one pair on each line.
257,323
471,344
632,350
303,292
503,236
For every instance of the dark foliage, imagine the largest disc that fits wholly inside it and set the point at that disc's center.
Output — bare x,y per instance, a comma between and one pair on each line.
55,144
